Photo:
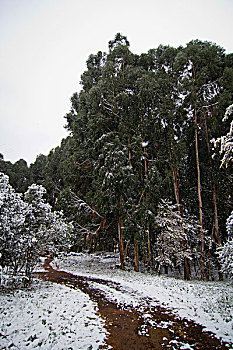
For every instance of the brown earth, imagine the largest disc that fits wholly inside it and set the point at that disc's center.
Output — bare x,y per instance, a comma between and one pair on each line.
164,330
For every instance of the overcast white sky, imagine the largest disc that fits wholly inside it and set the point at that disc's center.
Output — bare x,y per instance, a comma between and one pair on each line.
44,45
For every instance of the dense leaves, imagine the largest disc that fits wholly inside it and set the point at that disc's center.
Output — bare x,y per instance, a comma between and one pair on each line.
225,253
28,228
140,131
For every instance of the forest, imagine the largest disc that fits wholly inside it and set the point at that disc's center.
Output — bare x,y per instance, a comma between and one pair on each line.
146,167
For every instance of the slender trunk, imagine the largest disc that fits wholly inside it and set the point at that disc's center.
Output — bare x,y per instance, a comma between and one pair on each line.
130,156
149,249
216,215
144,155
218,238
122,259
90,250
126,249
176,183
186,269
199,195
175,175
217,230
145,163
136,258
148,231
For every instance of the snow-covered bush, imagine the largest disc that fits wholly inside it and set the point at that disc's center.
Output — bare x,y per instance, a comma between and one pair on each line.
48,227
225,253
27,227
176,235
230,225
13,212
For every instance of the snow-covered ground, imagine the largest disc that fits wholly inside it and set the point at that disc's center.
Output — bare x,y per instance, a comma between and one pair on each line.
51,316
207,303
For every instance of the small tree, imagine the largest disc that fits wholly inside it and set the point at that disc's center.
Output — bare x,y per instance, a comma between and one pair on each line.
48,228
115,179
175,237
13,212
27,227
225,253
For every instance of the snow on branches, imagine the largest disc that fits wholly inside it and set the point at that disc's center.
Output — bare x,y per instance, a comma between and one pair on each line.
226,142
175,236
28,226
225,253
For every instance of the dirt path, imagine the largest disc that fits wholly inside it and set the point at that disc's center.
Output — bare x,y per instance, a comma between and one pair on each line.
137,329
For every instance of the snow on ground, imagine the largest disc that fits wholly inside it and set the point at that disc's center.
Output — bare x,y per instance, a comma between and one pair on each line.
49,316
207,303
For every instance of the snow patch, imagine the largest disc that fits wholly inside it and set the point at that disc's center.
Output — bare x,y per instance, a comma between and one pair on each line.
207,303
50,316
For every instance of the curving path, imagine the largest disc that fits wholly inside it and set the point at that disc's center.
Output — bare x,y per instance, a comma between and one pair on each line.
141,328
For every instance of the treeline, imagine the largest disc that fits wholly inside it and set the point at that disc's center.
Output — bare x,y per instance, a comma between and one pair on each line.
139,168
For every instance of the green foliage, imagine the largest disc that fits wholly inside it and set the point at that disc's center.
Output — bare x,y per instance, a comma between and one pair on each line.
28,227
132,141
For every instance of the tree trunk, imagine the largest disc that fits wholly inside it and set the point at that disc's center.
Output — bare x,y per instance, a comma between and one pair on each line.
199,195
180,211
217,230
218,238
149,249
186,269
122,259
130,156
126,249
136,259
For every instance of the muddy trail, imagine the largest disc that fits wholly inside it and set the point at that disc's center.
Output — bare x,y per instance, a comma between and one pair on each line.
140,328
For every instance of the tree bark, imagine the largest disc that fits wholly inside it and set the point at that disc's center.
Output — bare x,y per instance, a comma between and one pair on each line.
122,259
220,274
218,238
126,249
199,194
136,258
180,211
149,249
